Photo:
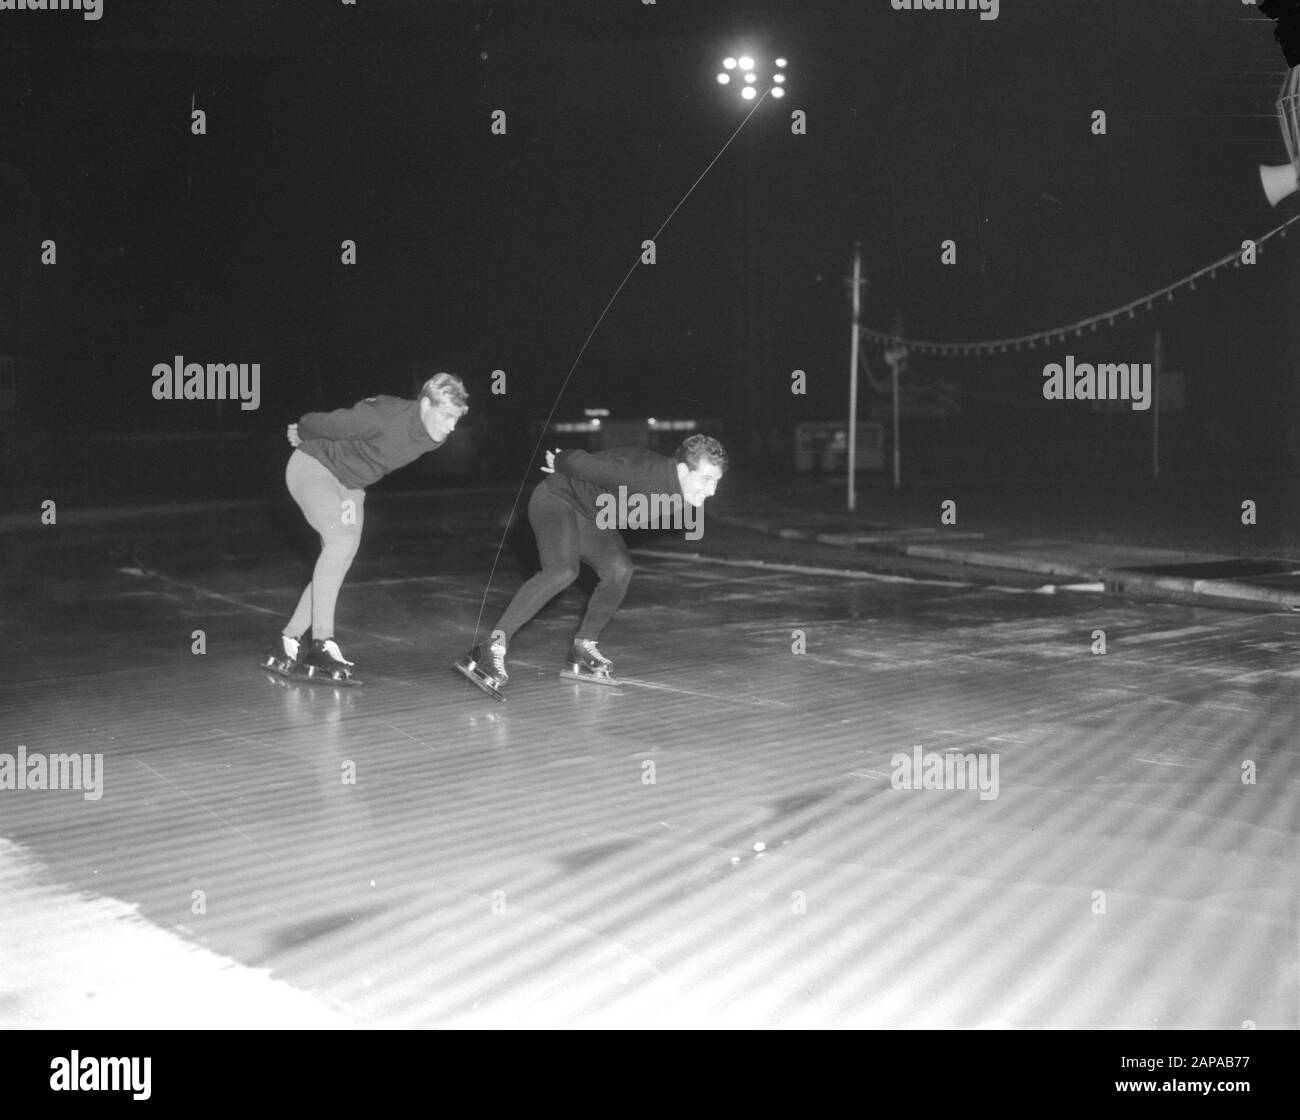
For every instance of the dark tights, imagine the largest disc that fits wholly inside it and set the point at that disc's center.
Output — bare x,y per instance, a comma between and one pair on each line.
564,537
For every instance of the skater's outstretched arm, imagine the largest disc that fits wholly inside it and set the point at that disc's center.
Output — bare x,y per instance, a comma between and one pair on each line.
361,421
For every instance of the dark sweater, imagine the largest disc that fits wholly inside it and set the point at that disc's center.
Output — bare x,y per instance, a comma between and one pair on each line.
361,444
581,477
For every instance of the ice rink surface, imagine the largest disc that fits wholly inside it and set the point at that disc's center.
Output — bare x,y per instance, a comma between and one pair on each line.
718,842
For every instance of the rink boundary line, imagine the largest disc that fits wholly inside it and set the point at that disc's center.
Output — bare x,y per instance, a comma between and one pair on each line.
745,701
14,521
798,569
148,573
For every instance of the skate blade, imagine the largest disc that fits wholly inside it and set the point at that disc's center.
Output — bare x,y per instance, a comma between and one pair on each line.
279,671
324,677
589,678
474,679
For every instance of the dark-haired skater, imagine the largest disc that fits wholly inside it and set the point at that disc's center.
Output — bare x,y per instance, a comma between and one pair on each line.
574,515
337,455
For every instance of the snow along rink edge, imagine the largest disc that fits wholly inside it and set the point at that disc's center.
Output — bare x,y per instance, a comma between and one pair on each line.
75,961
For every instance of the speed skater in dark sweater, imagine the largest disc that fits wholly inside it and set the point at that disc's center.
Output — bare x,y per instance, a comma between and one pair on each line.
574,514
336,456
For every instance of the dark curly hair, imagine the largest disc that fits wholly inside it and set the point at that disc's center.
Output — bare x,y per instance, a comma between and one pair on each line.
698,449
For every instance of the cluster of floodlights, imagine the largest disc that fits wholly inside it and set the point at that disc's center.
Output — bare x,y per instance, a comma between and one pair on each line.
745,70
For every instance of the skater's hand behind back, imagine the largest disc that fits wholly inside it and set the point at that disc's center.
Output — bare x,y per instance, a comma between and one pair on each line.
292,435
550,461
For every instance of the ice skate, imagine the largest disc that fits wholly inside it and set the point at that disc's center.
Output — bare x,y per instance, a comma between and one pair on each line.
587,663
284,658
488,673
325,663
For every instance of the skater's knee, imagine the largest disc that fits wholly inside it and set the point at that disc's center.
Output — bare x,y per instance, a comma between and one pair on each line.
342,541
619,572
561,575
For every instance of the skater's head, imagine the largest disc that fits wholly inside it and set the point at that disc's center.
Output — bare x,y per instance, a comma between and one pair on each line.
701,463
443,401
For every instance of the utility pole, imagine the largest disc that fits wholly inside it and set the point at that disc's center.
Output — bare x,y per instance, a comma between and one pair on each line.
1157,360
858,281
896,358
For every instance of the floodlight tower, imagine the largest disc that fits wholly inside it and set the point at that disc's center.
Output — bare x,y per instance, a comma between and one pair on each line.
743,75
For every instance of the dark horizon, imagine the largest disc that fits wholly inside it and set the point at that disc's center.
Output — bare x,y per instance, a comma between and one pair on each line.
479,252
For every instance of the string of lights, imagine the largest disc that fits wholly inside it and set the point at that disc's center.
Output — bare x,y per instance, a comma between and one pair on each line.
1063,333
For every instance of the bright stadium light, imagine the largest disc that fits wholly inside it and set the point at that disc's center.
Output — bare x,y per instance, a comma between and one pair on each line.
755,73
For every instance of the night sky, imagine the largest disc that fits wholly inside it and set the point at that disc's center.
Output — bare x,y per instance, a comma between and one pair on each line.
478,252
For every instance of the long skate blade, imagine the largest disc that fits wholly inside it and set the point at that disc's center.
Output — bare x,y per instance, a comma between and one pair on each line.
271,669
478,682
301,676
298,675
589,678
278,676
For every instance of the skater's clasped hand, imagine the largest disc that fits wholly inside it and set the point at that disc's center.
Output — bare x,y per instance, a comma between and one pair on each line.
292,435
550,461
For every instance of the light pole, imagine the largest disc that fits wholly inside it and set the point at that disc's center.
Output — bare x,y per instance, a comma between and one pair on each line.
853,378
745,74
